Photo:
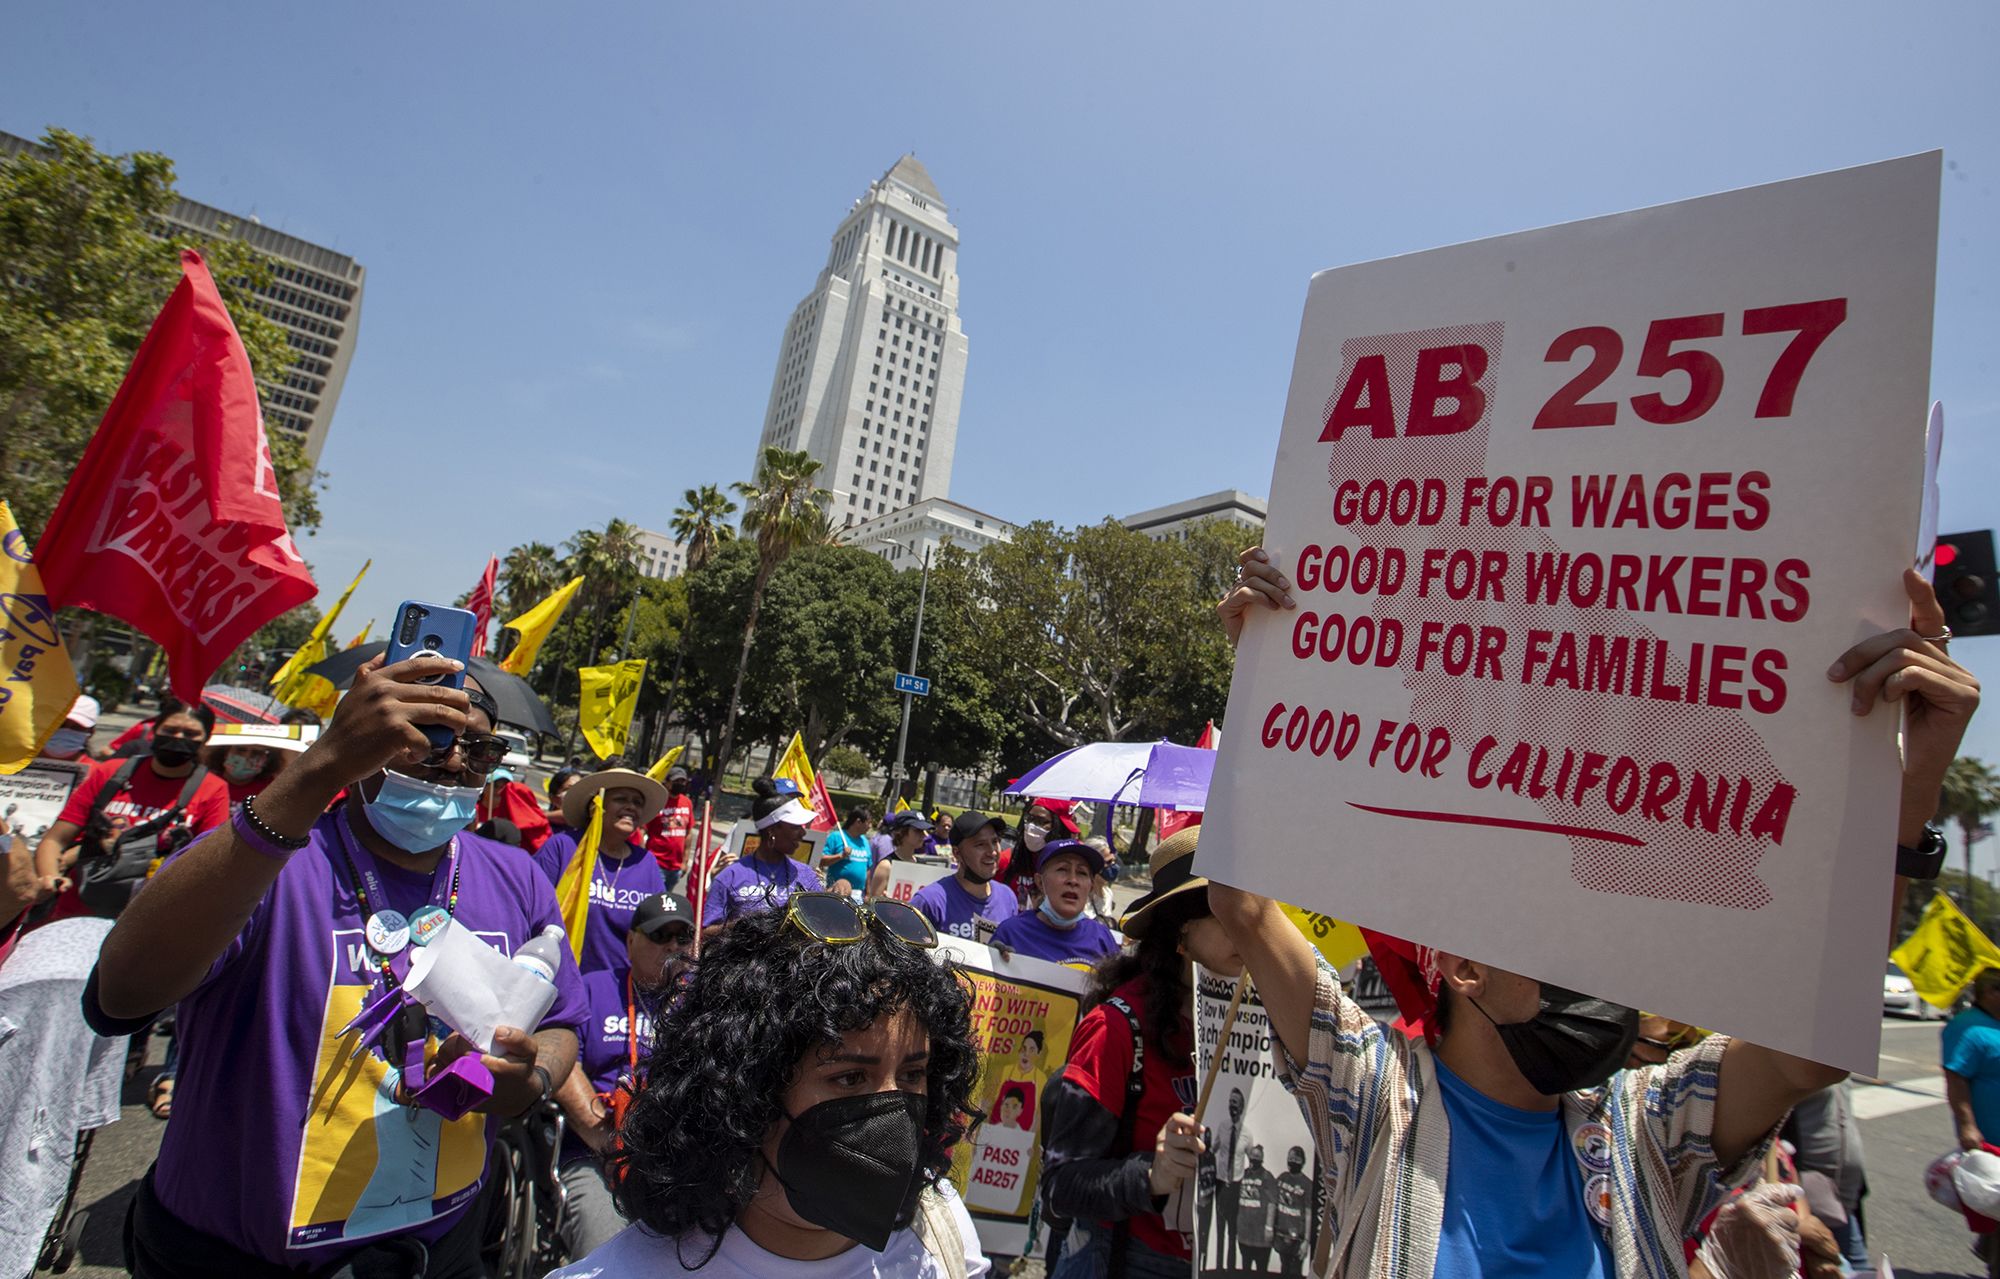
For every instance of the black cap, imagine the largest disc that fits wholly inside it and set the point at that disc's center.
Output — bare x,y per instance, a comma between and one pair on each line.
655,914
970,823
908,818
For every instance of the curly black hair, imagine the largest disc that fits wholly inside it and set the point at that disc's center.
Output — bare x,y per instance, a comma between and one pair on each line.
763,999
1158,959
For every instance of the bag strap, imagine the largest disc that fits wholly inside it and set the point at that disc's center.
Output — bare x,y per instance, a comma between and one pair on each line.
119,783
937,1229
188,788
1128,1120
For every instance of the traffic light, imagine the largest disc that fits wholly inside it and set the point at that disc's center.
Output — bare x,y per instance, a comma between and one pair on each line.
1967,583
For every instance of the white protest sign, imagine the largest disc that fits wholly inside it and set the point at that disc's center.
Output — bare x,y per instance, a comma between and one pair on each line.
1576,521
33,798
905,878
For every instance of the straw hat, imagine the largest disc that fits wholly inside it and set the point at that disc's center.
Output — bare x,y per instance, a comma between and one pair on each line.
1172,867
576,800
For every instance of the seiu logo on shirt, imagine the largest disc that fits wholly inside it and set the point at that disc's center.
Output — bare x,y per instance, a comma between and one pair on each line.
619,898
361,961
617,1027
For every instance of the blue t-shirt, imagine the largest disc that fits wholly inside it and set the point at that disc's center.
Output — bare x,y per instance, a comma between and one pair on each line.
853,867
1972,1052
1513,1195
1030,933
951,909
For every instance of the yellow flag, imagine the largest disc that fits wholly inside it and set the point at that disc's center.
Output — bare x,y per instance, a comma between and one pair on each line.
535,626
1338,940
658,772
291,685
902,805
610,694
1945,952
573,889
362,638
37,683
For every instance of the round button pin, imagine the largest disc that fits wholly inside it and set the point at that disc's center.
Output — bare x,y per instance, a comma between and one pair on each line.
388,932
427,923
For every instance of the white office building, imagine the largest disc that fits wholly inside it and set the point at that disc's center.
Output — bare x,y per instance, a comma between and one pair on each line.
1174,521
872,365
660,557
903,536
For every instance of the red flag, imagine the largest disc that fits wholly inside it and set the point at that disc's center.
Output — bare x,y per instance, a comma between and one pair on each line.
481,605
1172,821
172,520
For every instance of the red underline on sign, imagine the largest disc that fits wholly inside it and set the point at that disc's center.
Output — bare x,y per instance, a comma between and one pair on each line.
1473,819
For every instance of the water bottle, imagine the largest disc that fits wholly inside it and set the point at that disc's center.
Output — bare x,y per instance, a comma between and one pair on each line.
542,956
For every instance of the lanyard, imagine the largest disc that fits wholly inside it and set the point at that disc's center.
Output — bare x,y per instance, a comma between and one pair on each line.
631,1028
368,887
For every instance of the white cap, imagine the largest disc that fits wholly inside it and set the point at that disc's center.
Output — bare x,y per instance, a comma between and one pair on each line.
794,812
83,711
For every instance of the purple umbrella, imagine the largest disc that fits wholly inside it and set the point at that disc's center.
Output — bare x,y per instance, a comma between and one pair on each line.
1149,774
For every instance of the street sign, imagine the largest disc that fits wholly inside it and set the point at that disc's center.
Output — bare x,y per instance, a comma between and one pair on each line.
913,684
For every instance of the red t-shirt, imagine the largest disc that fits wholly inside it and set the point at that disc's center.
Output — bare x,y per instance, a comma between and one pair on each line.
149,795
1100,1063
666,835
516,803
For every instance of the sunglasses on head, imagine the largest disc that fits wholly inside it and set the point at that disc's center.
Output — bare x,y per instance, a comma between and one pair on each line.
839,920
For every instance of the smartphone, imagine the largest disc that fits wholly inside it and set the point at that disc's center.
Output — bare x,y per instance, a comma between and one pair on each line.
433,630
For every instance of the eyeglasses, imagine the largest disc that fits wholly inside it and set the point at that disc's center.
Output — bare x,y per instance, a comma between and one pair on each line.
481,752
838,920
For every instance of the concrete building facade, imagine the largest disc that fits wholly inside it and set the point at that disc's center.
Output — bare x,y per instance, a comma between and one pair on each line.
1173,521
314,295
660,556
871,368
903,536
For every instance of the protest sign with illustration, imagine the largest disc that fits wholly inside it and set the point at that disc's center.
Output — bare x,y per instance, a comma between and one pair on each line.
32,799
1576,520
1256,1186
1023,1015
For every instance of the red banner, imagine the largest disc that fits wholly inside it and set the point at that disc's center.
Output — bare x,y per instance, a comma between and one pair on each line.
172,520
481,604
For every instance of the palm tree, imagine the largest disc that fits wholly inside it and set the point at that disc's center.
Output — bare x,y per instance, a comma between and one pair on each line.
702,523
1971,794
527,576
784,510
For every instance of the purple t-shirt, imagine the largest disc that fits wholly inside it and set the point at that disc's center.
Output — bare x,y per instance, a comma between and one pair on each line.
750,886
1030,933
605,1051
283,1147
951,909
616,889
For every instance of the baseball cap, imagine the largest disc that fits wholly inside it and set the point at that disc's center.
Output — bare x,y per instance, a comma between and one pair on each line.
1090,855
1060,810
83,712
909,818
657,913
970,823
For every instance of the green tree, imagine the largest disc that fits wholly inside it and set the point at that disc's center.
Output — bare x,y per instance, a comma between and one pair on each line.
528,574
1971,794
845,765
961,726
701,523
89,261
1098,633
827,661
783,510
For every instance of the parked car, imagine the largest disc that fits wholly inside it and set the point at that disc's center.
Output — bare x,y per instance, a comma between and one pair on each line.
1900,998
516,760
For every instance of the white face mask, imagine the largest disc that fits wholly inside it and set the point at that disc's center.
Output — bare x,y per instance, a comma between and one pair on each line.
1033,836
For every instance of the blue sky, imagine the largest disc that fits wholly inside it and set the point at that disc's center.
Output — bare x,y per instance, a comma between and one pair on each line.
586,225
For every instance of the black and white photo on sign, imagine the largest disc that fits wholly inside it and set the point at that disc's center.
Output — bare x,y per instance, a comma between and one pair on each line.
1256,1187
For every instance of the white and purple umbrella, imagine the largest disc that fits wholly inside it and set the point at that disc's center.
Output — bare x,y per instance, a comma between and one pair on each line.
1148,774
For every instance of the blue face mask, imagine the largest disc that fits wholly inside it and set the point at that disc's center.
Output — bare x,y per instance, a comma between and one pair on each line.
418,816
66,743
1057,920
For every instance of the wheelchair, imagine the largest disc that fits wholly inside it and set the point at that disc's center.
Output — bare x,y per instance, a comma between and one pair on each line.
524,1198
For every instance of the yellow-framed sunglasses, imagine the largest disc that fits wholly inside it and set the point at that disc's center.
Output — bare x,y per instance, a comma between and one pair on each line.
839,920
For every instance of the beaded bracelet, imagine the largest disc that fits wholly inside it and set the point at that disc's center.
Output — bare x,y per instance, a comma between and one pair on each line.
256,833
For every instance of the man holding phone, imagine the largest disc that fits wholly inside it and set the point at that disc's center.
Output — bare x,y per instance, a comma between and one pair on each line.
294,1144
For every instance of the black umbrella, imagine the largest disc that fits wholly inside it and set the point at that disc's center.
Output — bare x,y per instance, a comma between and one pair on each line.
518,703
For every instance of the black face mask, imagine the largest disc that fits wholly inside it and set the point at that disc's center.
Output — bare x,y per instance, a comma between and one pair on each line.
852,1165
1574,1042
174,751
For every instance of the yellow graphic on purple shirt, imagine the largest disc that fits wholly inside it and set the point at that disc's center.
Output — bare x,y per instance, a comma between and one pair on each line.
368,1166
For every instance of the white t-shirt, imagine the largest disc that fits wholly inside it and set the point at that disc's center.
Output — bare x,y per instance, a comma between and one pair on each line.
637,1251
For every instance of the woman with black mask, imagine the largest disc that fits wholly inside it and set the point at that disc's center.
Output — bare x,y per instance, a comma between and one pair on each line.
799,1107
